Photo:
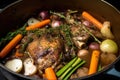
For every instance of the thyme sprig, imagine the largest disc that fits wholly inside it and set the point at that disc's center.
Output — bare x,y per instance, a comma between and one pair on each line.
58,14
91,34
61,15
67,34
10,35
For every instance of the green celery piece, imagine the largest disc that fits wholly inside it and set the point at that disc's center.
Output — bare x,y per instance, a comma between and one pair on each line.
65,73
62,70
69,74
70,68
99,67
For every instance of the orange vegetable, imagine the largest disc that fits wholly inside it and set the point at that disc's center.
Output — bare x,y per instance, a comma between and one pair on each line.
90,18
18,37
18,46
38,25
10,45
94,61
17,54
50,74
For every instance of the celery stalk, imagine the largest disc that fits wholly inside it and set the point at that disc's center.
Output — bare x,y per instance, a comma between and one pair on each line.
62,70
70,68
69,74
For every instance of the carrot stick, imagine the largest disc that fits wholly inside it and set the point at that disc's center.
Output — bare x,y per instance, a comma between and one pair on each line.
38,25
10,45
94,61
50,74
90,18
18,37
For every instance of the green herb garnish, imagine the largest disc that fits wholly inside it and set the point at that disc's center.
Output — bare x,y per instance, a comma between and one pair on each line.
10,35
67,34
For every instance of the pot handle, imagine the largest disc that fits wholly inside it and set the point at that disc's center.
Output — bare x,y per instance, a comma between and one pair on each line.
113,71
6,3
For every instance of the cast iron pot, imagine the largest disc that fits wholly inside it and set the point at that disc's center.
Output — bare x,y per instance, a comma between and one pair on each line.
18,12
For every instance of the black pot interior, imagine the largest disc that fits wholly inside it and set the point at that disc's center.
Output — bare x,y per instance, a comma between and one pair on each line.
17,13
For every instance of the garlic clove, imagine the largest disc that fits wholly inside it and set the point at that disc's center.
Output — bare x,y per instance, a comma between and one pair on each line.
29,67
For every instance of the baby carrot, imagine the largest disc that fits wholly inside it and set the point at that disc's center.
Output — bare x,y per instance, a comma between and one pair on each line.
38,25
50,74
90,18
10,45
94,61
62,70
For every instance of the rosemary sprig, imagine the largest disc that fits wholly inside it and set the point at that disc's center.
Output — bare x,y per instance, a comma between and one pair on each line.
71,11
67,34
61,15
91,34
58,14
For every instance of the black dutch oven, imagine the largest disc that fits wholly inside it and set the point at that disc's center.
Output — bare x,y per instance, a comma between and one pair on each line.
18,12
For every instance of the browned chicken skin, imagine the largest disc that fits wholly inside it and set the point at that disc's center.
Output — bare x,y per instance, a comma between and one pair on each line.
45,51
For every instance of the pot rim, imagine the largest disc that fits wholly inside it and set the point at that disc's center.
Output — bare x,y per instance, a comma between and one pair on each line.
88,76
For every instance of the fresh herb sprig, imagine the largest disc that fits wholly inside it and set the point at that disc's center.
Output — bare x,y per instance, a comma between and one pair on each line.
97,40
67,34
58,14
10,35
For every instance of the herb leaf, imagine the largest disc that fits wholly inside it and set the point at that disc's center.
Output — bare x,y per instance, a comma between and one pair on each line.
10,35
67,34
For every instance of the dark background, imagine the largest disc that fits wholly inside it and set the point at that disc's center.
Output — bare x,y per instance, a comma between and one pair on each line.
3,3
115,3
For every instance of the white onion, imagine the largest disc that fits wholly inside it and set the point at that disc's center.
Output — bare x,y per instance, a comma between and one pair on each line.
55,24
14,65
109,46
32,21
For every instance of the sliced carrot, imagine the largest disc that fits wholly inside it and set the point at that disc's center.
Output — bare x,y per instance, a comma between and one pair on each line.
94,61
90,18
50,74
10,45
17,54
38,25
